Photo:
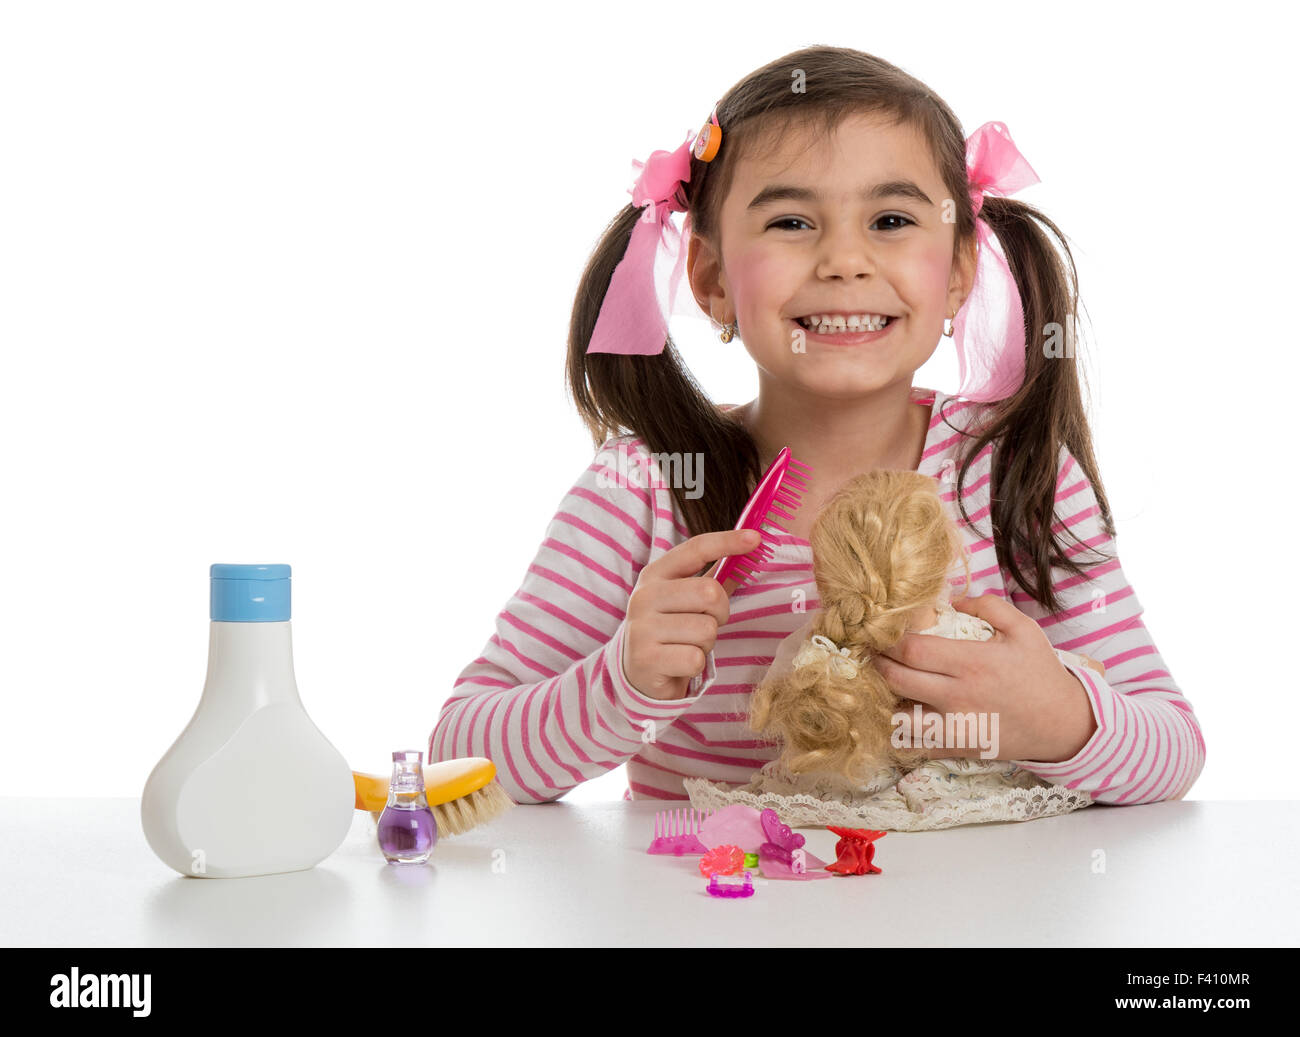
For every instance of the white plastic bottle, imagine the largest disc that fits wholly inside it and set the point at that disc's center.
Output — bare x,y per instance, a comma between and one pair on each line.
251,786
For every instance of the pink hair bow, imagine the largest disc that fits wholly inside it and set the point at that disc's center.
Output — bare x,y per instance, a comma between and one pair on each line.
631,321
989,329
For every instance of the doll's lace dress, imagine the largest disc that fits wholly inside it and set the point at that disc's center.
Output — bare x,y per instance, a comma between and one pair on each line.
937,794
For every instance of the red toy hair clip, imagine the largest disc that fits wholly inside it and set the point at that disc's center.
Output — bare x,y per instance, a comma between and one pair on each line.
854,851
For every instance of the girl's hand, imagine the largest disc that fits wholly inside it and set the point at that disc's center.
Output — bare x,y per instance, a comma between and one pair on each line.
673,615
1043,712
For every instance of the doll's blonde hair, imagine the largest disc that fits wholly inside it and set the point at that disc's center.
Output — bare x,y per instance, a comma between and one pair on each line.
883,547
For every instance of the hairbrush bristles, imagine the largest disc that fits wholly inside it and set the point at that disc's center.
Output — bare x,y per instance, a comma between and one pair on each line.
790,491
779,492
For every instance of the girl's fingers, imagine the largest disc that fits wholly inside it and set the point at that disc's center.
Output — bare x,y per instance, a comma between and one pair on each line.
684,628
930,689
697,594
691,556
681,660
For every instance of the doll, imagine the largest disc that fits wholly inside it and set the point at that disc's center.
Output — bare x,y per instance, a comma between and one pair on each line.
884,553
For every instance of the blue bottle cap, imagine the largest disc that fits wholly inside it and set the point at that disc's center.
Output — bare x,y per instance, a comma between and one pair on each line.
250,593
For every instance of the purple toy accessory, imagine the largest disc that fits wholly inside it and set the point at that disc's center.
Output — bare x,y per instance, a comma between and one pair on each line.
677,833
782,841
783,855
720,889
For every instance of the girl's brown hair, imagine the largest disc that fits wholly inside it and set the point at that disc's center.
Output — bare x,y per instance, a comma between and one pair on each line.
656,399
883,548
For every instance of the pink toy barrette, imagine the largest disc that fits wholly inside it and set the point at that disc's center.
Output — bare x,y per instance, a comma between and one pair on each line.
727,889
782,840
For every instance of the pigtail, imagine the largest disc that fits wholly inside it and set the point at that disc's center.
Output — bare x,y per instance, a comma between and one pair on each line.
655,398
1046,413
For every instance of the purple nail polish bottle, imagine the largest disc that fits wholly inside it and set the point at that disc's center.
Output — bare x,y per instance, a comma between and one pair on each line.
407,830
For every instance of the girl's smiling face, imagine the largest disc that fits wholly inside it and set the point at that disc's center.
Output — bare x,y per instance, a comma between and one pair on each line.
854,224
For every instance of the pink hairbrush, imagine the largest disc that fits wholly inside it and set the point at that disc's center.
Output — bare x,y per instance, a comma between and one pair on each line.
779,488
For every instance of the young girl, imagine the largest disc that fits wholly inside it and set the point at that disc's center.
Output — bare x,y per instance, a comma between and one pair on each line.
837,219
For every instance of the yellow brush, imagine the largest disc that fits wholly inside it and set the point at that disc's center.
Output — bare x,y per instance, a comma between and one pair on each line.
462,793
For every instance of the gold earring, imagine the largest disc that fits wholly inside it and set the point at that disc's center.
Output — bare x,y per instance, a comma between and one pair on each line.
953,327
729,331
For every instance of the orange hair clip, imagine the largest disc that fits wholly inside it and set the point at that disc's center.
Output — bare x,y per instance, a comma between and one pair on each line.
709,139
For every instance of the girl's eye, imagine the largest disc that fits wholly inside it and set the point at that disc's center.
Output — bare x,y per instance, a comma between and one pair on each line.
795,219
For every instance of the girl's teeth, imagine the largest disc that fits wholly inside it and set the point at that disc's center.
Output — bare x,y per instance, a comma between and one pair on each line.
830,326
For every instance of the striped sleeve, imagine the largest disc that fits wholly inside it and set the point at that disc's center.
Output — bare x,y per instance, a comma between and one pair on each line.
547,699
1148,745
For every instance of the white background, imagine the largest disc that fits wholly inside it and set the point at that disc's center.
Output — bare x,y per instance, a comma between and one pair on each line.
291,283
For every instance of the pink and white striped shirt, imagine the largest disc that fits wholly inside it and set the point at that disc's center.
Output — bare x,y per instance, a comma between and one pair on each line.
548,701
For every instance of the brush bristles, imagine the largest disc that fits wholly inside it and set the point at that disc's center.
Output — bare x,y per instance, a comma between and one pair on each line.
460,815
789,494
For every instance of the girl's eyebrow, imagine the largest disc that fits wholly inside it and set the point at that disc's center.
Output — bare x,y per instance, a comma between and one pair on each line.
791,192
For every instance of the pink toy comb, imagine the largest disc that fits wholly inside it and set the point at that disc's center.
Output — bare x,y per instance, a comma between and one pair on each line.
678,832
779,488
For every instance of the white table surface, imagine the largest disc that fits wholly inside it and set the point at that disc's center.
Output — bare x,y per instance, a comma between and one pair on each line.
78,872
